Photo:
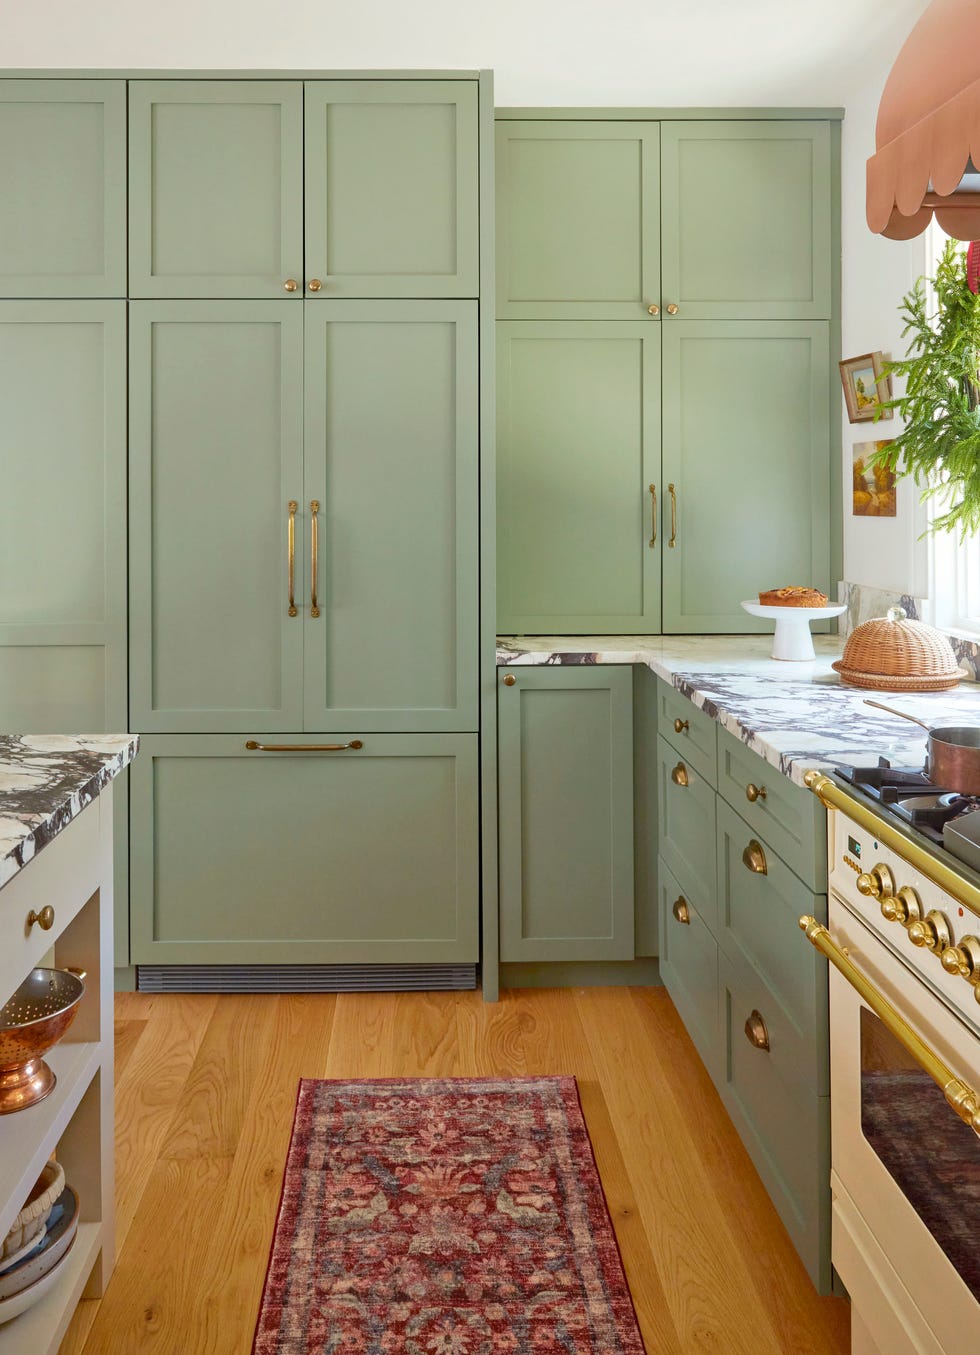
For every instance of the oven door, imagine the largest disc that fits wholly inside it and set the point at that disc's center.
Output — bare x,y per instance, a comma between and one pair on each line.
906,1168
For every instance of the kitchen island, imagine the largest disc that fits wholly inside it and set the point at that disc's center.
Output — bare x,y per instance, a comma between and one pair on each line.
56,911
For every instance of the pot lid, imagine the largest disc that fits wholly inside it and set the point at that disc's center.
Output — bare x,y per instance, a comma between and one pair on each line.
893,646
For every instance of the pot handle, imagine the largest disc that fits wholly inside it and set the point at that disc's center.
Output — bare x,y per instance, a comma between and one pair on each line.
900,713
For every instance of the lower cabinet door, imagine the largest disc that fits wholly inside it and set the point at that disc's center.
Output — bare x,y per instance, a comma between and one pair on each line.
686,816
689,968
566,813
297,851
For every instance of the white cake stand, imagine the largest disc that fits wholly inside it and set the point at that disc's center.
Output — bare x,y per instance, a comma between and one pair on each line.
792,639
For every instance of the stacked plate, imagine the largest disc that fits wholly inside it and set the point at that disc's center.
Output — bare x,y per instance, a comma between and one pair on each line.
28,1274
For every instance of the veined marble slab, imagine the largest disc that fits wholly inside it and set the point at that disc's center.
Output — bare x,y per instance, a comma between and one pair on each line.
46,780
795,715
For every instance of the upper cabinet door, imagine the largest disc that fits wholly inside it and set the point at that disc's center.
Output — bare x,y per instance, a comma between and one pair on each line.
578,220
391,482
63,194
392,188
746,220
215,188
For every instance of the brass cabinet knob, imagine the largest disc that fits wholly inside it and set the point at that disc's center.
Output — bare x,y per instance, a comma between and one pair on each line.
290,284
754,858
876,882
903,907
754,792
679,775
930,932
756,1032
681,725
314,284
509,680
653,308
681,911
963,959
672,309
44,919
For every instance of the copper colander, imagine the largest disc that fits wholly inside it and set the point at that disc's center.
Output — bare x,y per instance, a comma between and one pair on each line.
31,1023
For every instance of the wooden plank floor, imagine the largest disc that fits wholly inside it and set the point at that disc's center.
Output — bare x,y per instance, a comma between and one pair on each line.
205,1093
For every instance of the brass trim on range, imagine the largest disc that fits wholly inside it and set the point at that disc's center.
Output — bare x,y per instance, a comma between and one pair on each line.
963,1099
673,516
314,553
254,747
834,796
291,552
653,516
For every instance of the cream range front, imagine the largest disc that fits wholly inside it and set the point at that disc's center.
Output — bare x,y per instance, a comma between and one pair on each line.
905,1119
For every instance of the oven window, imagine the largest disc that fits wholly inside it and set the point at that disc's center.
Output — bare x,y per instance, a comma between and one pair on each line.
927,1149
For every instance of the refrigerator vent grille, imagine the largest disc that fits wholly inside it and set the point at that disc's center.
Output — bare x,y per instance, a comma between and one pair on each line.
326,978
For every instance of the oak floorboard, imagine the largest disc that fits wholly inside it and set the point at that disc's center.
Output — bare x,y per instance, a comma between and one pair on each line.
127,1035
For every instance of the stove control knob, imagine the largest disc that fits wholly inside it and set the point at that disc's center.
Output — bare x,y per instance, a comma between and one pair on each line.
931,931
903,907
876,882
963,959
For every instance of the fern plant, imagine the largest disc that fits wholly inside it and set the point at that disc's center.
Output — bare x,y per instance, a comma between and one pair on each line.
940,445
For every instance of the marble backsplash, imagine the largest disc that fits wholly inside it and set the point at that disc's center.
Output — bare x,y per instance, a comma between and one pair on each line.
865,603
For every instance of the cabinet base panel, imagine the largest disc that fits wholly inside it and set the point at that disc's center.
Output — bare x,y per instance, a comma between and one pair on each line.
643,973
325,978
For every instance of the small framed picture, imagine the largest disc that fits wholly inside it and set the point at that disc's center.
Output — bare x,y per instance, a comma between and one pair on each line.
873,494
865,387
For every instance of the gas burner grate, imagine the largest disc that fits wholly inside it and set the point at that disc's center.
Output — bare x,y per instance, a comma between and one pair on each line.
896,789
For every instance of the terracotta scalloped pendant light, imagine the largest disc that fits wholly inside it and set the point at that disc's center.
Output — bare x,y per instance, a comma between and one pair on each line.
928,130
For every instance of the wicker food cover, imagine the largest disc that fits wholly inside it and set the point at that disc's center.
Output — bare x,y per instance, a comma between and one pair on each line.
894,652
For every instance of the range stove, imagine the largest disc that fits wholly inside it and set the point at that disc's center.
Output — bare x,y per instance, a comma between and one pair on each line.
948,820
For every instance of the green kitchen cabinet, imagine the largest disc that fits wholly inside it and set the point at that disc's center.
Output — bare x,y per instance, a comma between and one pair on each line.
394,643
63,202
578,220
686,807
689,968
746,220
578,457
366,853
746,442
566,813
392,188
215,188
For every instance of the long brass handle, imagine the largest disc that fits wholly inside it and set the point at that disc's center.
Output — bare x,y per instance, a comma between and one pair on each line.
756,1031
755,858
958,1093
673,516
291,552
653,515
254,747
679,775
681,911
314,552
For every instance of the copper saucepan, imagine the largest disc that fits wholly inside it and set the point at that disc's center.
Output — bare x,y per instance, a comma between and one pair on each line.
953,758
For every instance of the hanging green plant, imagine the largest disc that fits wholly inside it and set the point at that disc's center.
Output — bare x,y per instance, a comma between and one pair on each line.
940,444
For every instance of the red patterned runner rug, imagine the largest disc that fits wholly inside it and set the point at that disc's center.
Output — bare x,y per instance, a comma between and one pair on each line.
450,1216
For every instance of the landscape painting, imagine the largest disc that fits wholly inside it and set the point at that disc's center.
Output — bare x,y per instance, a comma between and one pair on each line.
874,484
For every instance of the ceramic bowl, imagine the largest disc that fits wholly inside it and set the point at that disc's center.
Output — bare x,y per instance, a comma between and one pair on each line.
29,1224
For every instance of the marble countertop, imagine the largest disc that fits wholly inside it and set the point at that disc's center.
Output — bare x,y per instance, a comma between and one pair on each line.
46,780
795,715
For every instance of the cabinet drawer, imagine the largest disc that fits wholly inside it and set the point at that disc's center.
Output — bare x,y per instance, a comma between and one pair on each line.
691,732
364,855
689,968
788,816
785,1126
759,922
686,816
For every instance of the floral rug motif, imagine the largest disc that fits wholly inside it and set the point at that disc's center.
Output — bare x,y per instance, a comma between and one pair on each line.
447,1216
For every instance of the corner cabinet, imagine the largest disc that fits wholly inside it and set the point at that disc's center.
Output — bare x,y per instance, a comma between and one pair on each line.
666,323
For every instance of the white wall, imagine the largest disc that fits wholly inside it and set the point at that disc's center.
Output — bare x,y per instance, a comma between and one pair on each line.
589,52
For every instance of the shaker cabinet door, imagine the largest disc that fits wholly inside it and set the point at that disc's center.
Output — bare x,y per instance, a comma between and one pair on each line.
62,188
578,468
746,449
392,188
215,459
215,188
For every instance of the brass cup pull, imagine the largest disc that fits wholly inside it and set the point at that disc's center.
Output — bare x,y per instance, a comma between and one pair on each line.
314,554
314,284
679,775
653,515
509,680
44,919
290,284
754,792
673,308
254,747
681,911
756,1032
291,553
680,725
653,308
673,512
754,858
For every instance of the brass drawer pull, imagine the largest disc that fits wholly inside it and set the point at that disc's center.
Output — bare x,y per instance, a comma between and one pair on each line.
681,911
754,792
44,919
291,552
755,858
680,725
679,775
756,1032
290,284
509,680
653,308
314,284
673,308
314,550
673,513
254,747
